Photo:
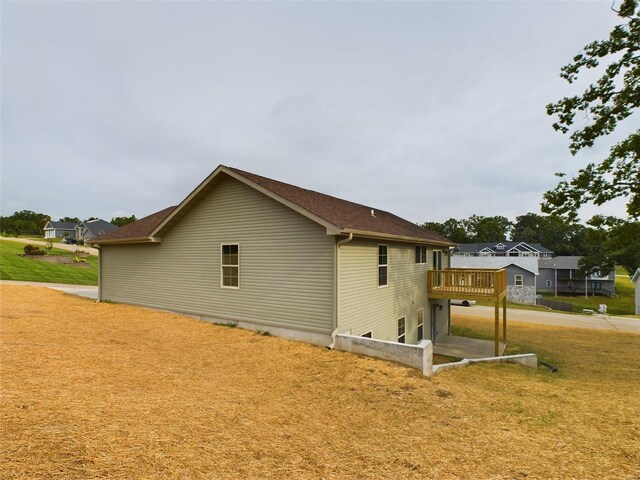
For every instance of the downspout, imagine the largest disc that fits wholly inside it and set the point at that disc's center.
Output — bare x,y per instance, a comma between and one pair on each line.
99,273
337,296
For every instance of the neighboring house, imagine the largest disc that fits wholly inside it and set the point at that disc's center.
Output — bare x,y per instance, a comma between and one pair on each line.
502,249
521,274
561,276
59,229
92,228
636,281
268,255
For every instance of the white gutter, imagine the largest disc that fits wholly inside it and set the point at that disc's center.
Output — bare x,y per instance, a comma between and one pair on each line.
337,295
400,238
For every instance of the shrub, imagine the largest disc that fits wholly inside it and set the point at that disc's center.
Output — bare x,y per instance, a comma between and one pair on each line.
33,250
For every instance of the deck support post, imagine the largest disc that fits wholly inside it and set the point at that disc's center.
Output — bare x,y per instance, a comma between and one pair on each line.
504,319
497,339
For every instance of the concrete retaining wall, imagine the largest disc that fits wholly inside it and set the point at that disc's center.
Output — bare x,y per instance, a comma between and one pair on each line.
527,359
418,356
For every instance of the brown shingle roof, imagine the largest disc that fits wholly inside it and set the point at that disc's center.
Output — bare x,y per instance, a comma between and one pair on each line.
346,216
139,229
342,213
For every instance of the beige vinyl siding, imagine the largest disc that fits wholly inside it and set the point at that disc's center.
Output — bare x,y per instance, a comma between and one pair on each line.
364,306
286,264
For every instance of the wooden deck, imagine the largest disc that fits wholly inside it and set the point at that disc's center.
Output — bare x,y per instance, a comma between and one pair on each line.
473,284
467,283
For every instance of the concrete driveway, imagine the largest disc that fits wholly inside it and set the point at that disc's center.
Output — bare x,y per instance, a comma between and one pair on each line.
62,246
596,321
87,291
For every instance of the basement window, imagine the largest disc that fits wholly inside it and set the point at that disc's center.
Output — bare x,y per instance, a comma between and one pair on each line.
401,330
383,265
230,265
420,324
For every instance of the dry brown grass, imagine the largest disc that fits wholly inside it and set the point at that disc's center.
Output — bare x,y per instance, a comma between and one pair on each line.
112,391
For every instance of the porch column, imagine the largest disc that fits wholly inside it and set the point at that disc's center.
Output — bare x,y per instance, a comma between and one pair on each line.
504,319
497,339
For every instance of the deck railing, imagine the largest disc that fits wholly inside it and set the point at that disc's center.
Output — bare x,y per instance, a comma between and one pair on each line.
467,283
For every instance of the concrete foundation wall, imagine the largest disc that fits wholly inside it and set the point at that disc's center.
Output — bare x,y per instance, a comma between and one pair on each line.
526,295
527,359
418,356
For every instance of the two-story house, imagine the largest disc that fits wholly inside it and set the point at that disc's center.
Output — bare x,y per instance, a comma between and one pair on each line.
268,255
561,276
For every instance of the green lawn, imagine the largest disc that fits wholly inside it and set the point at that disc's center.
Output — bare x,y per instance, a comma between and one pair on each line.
622,304
14,267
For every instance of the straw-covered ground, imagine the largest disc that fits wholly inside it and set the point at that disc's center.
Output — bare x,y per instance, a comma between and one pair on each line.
112,391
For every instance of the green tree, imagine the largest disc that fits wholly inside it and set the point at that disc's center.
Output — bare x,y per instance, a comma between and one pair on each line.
611,242
121,221
552,232
613,98
70,219
487,229
453,229
24,222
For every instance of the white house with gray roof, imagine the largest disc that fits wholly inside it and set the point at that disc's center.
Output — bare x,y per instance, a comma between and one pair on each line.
59,229
502,249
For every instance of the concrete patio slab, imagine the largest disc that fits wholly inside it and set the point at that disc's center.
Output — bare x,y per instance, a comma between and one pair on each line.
463,347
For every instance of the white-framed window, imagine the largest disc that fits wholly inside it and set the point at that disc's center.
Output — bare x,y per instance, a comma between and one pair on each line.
421,254
518,280
369,334
401,330
437,259
230,265
549,283
383,265
420,324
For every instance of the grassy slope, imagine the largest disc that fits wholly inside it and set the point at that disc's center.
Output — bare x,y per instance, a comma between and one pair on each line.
14,267
134,393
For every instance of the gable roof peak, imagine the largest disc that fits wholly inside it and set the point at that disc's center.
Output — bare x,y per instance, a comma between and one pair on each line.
337,215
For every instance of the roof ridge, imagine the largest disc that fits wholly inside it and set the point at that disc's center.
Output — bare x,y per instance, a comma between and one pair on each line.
241,172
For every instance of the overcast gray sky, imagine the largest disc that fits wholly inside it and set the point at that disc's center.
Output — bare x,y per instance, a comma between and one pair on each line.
428,110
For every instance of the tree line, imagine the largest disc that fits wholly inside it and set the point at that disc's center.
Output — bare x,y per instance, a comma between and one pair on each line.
603,242
28,223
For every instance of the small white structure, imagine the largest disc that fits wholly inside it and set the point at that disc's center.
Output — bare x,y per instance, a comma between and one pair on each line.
636,281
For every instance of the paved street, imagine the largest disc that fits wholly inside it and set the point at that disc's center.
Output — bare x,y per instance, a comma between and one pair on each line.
87,291
599,322
62,246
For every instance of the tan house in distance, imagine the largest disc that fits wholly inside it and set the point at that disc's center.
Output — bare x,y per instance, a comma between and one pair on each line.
272,256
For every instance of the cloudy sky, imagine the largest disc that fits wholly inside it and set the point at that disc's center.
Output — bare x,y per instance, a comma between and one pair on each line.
429,110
